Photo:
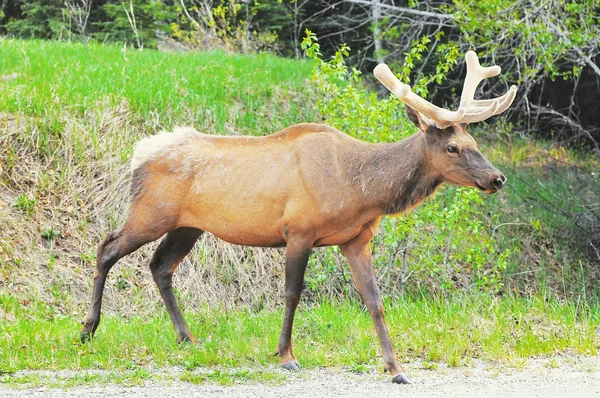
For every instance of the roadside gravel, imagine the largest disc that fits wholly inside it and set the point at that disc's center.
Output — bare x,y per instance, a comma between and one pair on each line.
562,376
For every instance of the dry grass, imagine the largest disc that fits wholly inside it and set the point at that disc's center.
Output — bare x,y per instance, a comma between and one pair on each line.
82,201
80,191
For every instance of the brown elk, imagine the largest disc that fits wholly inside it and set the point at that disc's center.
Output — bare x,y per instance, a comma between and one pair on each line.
309,185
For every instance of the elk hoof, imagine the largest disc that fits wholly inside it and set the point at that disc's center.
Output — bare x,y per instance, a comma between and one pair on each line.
85,337
401,378
292,365
185,340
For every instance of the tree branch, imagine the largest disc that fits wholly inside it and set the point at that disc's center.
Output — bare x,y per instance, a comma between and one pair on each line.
569,122
404,10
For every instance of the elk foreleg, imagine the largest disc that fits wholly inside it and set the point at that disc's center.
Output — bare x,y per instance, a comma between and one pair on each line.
296,258
358,254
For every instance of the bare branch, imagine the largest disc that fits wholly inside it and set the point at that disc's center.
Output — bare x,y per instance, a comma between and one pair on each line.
405,10
132,22
569,122
80,12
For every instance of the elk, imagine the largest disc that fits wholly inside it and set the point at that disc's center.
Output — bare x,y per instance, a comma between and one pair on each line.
306,186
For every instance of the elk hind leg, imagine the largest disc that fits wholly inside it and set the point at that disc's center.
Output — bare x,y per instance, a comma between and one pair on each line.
116,245
173,248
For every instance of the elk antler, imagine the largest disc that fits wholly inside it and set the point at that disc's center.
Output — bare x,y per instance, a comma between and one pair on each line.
469,111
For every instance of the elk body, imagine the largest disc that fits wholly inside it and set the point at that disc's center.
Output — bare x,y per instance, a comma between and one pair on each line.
309,185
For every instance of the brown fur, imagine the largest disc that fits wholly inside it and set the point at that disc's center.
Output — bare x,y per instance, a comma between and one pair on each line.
310,179
309,185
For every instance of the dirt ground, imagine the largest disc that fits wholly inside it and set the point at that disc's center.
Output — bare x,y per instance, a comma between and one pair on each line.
561,376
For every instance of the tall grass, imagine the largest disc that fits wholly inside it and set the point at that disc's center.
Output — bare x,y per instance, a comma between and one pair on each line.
217,91
70,117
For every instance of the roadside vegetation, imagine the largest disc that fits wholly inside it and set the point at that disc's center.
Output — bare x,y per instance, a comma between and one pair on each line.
500,277
333,334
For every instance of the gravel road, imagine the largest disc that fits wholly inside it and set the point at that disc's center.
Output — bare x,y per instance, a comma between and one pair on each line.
557,377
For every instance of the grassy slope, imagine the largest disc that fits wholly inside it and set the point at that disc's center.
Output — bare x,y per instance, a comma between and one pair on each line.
70,116
207,90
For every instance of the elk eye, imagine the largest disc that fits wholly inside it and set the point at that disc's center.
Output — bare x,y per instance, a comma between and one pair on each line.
452,149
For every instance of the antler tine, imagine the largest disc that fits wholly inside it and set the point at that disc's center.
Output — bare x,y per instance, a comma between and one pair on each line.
442,117
478,114
506,100
475,74
470,110
383,73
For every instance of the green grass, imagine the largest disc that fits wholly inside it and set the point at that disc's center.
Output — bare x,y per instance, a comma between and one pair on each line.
326,334
69,117
225,377
50,78
139,376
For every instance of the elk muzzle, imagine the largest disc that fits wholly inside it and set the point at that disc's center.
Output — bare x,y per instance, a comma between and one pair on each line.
495,182
499,181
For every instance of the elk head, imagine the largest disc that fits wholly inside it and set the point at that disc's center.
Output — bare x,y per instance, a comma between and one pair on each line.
451,151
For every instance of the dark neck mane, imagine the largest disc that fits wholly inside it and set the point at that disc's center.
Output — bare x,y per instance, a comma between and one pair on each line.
398,176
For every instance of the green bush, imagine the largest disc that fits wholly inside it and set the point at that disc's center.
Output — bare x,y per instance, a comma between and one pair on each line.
137,22
39,20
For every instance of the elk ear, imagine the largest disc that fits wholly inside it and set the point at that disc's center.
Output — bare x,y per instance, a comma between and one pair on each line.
413,115
421,121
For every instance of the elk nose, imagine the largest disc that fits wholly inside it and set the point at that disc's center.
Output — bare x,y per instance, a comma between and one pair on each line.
499,181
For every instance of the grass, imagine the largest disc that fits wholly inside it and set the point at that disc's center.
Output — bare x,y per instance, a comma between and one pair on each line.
225,377
326,334
72,114
549,213
45,79
139,376
69,116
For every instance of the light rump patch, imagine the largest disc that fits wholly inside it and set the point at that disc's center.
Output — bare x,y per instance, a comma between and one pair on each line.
151,147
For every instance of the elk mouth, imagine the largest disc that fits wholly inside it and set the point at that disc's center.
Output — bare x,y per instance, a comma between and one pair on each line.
486,190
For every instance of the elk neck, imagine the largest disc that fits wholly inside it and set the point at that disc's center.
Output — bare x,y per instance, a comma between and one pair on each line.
398,176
